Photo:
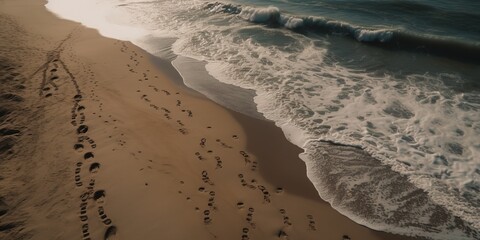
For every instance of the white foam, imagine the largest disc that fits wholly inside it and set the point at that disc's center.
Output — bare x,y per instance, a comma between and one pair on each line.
291,22
101,15
260,15
364,35
281,100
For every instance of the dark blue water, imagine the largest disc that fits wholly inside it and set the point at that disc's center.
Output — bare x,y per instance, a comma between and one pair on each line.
450,19
444,28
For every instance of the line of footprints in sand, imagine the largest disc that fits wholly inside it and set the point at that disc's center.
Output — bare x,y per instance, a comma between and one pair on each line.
249,184
90,195
204,155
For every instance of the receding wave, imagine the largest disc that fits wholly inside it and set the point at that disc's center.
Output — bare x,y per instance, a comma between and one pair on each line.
395,39
344,175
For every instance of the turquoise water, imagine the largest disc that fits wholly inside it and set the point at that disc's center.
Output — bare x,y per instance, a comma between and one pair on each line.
397,79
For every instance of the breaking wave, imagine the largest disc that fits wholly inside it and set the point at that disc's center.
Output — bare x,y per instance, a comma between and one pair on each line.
387,38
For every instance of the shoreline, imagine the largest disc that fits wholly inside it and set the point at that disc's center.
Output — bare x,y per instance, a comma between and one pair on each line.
138,167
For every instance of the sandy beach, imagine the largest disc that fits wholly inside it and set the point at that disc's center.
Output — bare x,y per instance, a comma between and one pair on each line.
97,143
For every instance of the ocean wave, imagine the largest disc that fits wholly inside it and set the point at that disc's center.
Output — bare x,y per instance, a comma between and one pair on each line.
396,39
343,176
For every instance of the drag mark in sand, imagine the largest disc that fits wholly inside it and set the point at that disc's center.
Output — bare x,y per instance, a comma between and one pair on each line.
223,144
52,64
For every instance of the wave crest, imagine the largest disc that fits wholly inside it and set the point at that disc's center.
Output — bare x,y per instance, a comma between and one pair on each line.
387,38
261,15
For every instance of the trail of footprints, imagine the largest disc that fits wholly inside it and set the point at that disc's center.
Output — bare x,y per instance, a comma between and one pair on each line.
205,155
208,213
92,198
90,195
55,74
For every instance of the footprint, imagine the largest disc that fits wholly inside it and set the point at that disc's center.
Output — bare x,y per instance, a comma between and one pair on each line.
94,167
207,220
206,179
78,146
202,142
83,212
98,195
83,218
244,183
311,223
245,233
82,129
286,219
88,155
91,142
85,231
78,181
254,166
91,184
249,217
282,234
211,199
110,233
266,194
103,216
219,162
77,97
199,156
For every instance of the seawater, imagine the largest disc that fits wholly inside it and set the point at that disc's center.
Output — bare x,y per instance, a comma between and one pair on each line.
397,79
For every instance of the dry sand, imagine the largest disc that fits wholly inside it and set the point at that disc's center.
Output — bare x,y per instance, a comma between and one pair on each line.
96,143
